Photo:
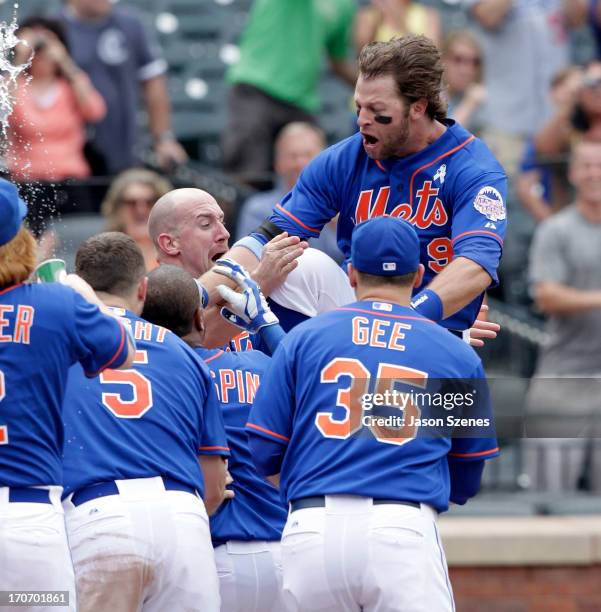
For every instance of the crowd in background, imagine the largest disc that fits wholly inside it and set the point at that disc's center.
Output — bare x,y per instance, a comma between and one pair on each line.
516,73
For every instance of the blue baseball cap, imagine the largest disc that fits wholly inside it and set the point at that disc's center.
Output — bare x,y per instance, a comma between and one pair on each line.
12,211
385,246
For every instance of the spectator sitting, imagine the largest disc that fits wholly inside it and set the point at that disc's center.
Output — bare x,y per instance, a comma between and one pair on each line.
110,43
47,125
541,185
386,19
462,75
127,207
296,145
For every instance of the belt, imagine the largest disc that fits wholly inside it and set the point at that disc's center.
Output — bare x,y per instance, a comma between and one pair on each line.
103,489
319,501
22,494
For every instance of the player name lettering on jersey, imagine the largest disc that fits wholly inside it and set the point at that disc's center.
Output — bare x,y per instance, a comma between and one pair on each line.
236,385
379,333
429,210
145,331
15,323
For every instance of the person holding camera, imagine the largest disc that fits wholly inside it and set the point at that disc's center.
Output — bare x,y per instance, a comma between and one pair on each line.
53,101
577,117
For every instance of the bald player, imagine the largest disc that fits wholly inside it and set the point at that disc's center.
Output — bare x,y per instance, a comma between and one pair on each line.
187,229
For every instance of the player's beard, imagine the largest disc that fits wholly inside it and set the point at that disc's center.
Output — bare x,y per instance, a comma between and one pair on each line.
395,142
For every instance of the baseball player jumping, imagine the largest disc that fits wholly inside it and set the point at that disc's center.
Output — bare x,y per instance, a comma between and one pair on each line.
407,161
364,494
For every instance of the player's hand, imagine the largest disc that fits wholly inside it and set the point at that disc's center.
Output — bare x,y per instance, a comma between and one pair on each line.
278,260
247,310
82,287
228,493
483,329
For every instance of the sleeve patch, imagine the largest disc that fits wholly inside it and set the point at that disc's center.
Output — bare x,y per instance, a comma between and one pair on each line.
489,202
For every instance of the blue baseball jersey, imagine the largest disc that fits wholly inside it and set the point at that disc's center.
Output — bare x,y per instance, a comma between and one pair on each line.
319,402
44,329
256,512
453,192
152,420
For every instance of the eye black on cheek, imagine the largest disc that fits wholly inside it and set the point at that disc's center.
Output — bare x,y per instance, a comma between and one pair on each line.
385,120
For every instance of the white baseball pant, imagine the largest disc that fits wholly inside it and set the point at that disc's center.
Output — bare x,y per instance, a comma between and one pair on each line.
353,556
250,576
146,548
34,552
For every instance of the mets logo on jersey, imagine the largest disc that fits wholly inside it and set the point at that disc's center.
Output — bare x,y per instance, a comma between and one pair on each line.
428,210
489,202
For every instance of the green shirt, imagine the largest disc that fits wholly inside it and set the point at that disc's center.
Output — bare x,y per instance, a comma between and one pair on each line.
282,48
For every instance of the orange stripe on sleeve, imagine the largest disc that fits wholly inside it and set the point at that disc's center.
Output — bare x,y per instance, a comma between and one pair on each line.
268,432
480,454
296,219
117,353
495,236
208,448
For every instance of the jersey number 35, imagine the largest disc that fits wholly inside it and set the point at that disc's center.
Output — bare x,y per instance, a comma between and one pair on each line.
352,398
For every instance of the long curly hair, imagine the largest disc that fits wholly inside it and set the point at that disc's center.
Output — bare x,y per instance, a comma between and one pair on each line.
17,258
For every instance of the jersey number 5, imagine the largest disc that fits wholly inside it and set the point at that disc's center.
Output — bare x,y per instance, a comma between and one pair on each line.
141,401
350,398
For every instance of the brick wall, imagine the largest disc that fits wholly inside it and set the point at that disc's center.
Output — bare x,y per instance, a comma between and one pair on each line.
527,589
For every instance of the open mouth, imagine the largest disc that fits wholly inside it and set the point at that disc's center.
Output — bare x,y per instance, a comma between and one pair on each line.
369,140
218,255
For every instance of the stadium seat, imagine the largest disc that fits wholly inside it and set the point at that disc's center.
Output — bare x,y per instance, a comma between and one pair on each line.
574,504
498,504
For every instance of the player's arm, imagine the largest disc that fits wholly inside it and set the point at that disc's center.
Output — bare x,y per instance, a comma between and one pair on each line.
478,228
213,446
269,423
461,282
214,472
301,214
465,477
102,340
471,447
